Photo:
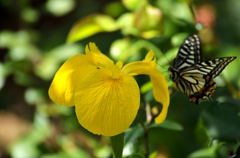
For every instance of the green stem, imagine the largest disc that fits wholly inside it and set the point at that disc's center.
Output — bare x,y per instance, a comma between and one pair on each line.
117,145
190,5
145,135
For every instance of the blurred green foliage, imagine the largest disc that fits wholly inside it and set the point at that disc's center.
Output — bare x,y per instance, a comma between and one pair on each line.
37,36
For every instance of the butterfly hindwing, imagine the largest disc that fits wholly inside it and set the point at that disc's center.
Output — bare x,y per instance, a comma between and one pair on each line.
194,82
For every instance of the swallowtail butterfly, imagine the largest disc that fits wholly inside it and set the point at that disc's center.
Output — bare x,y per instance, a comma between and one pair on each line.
194,76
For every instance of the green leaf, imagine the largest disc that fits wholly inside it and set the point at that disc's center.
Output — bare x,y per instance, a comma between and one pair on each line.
67,154
121,49
133,4
179,10
117,145
222,122
114,9
53,59
204,153
59,8
178,39
169,55
146,87
126,23
136,155
131,142
149,21
167,124
91,25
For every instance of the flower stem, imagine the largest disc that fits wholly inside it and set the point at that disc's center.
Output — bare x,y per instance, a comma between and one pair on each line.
145,135
117,145
146,144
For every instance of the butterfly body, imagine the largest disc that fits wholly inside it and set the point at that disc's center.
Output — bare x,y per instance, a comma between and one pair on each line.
191,74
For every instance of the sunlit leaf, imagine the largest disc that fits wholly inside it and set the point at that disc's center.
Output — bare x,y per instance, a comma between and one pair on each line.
19,148
170,55
149,21
60,8
146,87
204,153
126,23
121,49
133,4
54,58
178,39
91,25
153,155
33,96
103,151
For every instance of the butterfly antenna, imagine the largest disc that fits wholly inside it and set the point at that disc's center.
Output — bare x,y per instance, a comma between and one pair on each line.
167,78
162,66
166,73
165,57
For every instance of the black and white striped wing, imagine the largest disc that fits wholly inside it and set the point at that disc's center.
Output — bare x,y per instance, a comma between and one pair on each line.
193,79
191,75
211,68
191,83
189,53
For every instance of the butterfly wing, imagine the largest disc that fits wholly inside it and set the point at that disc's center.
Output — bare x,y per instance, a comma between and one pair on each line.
211,68
189,53
190,83
191,75
197,81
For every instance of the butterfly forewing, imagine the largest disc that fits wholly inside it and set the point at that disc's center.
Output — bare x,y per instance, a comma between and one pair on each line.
219,65
212,67
189,52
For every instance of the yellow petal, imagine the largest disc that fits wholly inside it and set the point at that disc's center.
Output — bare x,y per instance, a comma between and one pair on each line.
160,86
98,59
67,79
106,105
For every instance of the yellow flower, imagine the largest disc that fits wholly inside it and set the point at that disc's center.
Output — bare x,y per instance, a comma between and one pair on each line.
106,96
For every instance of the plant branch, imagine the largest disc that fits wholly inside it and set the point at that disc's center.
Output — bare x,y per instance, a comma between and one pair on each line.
146,154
